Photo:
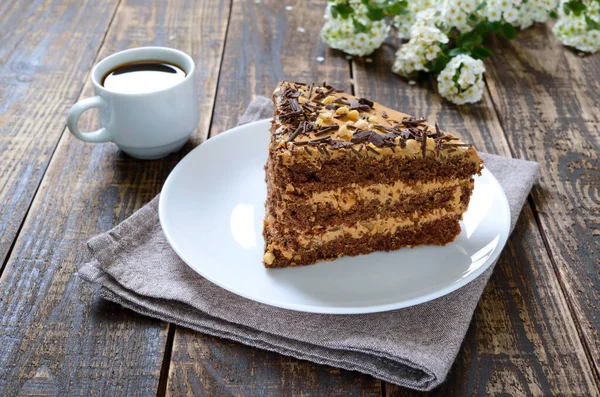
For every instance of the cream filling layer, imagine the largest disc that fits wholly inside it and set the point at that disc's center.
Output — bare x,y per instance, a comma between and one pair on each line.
345,198
388,225
374,226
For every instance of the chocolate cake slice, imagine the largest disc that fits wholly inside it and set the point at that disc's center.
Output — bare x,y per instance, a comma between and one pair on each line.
347,176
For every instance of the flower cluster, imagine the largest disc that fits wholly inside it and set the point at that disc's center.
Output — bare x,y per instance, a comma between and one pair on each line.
519,13
423,47
446,37
459,14
461,81
404,22
340,33
580,31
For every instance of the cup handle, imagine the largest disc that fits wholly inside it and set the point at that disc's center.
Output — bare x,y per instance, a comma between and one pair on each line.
100,135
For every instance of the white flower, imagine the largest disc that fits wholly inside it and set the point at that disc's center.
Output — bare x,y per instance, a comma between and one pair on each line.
461,81
519,13
574,31
404,22
423,47
340,33
456,14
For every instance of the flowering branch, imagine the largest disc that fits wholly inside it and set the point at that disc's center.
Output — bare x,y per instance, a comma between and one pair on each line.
446,37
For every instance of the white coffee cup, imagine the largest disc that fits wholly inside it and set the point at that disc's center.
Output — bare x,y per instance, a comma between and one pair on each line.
144,125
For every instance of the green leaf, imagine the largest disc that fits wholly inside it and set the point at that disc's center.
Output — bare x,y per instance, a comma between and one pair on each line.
470,39
438,64
343,10
591,24
495,27
457,51
509,31
398,8
481,6
553,14
576,6
481,53
358,27
375,13
566,8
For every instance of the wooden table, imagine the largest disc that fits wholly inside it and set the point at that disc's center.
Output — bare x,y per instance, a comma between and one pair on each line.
536,330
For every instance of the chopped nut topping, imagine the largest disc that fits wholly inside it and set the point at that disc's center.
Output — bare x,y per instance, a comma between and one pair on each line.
342,110
329,100
325,115
353,115
269,258
361,124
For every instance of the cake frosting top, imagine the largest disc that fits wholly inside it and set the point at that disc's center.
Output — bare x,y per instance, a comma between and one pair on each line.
317,122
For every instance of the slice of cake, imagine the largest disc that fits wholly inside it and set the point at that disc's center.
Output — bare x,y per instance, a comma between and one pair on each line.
347,176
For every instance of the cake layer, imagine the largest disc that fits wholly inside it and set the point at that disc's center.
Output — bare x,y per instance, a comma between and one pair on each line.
307,178
436,232
302,215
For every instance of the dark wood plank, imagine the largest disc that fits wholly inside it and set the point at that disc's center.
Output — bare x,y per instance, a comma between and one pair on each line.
523,340
41,74
56,331
547,100
210,366
263,46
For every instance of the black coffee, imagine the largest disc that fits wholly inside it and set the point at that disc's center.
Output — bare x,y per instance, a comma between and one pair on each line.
143,77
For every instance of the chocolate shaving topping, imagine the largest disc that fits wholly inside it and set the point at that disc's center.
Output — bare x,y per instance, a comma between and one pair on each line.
412,121
329,91
356,152
384,114
329,128
384,128
295,134
365,101
320,140
308,150
438,134
342,101
424,141
361,136
377,140
312,85
338,144
369,148
331,106
457,144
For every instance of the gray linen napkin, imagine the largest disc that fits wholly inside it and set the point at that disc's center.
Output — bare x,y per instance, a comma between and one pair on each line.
413,347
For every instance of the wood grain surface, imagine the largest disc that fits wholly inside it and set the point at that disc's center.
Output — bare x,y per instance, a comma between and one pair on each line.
56,329
41,75
522,308
535,331
550,111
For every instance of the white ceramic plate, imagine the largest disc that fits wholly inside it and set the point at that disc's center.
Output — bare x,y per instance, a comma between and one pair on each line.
212,210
